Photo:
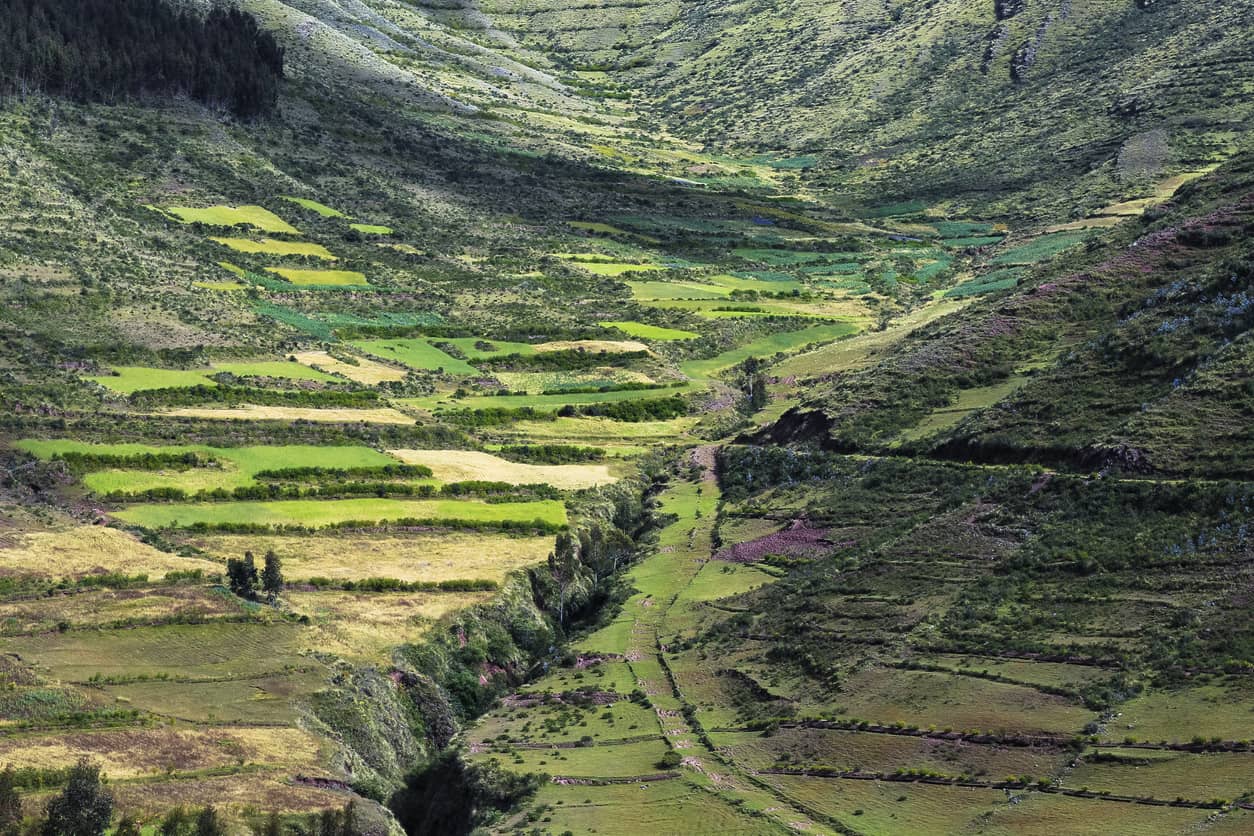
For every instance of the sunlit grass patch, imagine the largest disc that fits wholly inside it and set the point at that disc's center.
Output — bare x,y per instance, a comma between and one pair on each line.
768,346
362,370
255,216
127,380
322,513
650,332
417,354
325,278
471,465
269,246
371,229
432,556
91,549
314,206
326,415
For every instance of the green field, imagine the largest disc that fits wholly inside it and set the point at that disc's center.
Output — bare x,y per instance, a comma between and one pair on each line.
232,466
650,332
255,216
417,354
321,513
320,278
1041,248
371,229
269,246
314,206
130,379
545,403
787,341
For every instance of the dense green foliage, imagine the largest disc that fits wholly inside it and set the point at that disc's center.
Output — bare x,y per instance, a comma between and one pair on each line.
104,50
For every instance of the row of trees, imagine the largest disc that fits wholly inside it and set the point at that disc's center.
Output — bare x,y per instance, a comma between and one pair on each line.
245,581
108,50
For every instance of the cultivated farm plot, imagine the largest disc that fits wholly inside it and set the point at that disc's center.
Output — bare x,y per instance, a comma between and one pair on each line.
472,465
233,466
540,382
1224,709
417,556
540,403
106,607
365,626
92,550
674,806
881,808
650,332
1167,775
416,354
364,371
269,246
215,650
131,753
127,380
320,278
267,698
255,216
602,432
314,206
959,702
768,346
329,415
1039,814
850,751
623,760
327,512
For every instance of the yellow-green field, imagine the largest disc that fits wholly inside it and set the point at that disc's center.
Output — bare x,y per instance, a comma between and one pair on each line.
256,216
414,556
322,513
320,278
269,246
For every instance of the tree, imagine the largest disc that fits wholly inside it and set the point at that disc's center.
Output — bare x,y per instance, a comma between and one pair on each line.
241,575
272,575
274,825
127,827
10,802
563,565
208,823
83,808
174,823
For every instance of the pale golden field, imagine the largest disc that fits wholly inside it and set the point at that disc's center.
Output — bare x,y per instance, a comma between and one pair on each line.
92,549
368,372
424,556
594,346
365,626
382,415
138,752
471,465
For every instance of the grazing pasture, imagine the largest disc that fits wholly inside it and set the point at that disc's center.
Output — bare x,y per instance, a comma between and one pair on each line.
79,551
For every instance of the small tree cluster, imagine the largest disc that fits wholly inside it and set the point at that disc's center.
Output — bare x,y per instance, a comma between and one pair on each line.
244,579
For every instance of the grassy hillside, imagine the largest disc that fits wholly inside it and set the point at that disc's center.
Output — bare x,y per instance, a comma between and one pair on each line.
655,417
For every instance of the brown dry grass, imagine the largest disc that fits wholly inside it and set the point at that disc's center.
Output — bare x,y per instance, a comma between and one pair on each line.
593,346
86,550
426,556
106,606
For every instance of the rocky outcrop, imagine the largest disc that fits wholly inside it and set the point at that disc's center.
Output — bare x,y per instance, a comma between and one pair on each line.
1006,9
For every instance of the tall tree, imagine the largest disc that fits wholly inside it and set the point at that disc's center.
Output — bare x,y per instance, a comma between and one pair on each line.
10,803
83,808
241,576
272,575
